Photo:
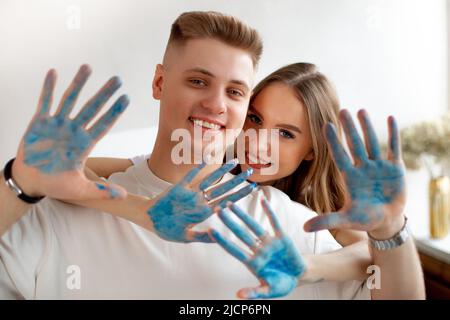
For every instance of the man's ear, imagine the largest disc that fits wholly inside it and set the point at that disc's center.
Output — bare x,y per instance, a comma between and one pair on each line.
158,82
309,156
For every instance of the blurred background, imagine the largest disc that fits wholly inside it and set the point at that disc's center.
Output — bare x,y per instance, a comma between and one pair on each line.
388,56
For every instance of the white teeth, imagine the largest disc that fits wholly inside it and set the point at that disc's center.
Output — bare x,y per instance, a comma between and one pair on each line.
254,160
206,124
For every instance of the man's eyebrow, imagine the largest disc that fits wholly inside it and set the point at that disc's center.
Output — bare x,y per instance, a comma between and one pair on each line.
210,74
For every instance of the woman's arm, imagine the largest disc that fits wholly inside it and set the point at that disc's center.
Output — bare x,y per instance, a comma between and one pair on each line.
104,167
132,207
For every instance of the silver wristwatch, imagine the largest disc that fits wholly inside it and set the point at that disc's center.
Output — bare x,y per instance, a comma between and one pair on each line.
396,241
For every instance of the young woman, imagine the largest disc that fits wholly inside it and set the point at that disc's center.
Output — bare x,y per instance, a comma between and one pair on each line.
297,100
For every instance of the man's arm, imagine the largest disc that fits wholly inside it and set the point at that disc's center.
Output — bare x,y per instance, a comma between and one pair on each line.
346,264
11,207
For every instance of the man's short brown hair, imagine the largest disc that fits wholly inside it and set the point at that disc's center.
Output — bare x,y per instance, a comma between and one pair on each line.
215,25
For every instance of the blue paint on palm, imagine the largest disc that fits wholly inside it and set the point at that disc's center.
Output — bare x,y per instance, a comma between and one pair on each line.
181,208
279,265
371,186
276,262
174,213
372,182
54,145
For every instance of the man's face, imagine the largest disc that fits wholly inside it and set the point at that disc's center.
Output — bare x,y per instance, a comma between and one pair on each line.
204,84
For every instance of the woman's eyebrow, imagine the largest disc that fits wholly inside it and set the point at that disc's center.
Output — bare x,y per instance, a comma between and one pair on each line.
289,126
252,109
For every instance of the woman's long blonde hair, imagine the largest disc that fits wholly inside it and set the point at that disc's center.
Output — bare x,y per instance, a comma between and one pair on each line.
317,183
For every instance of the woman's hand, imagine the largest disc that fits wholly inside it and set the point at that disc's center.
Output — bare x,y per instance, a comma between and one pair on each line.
184,205
376,186
275,261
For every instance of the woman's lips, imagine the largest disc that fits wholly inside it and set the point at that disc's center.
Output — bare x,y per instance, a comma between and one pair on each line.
255,165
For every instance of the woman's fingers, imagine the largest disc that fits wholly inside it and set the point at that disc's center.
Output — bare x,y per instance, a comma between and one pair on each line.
339,154
216,175
238,195
335,220
230,184
370,137
394,148
353,139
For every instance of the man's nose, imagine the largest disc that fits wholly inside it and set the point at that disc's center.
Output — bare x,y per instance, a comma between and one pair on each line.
215,103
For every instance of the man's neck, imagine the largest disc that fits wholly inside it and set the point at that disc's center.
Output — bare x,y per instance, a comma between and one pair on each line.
161,164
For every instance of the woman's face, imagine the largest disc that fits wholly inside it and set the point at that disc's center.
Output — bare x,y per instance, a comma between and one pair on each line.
278,107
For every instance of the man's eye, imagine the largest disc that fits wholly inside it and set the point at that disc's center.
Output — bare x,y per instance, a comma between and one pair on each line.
235,92
197,82
286,134
254,118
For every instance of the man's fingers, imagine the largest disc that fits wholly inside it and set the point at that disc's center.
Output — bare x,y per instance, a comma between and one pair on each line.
370,137
229,185
272,217
93,106
216,175
260,292
71,94
339,154
46,98
248,220
239,231
230,247
353,139
102,126
335,220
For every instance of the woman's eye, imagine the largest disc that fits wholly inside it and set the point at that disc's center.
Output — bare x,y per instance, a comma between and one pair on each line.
197,82
254,118
286,134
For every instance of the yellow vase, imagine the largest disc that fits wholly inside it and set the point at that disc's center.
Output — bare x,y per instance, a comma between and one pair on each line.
439,200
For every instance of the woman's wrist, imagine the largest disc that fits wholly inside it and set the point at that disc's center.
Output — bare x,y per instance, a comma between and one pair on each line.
389,228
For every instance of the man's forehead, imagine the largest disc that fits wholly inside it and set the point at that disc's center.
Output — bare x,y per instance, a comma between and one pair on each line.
214,58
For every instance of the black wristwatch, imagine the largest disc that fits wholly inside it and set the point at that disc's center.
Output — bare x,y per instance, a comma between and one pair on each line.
7,172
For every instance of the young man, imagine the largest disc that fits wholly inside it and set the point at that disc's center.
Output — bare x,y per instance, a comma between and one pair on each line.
56,250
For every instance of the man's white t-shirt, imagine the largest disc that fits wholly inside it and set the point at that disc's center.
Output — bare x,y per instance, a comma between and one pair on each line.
62,251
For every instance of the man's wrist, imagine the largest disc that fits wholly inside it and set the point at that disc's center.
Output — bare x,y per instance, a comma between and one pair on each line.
28,187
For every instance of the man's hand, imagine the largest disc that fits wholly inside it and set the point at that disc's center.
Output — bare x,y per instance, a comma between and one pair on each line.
376,186
184,205
54,149
275,261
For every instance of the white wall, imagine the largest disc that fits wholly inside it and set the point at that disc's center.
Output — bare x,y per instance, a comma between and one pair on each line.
387,56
